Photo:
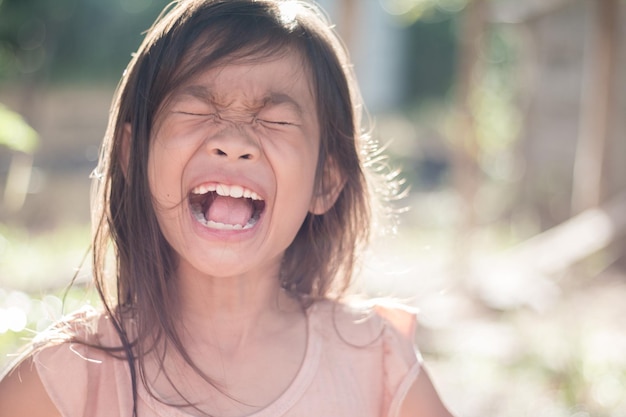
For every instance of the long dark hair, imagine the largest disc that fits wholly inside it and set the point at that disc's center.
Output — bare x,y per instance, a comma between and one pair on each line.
188,38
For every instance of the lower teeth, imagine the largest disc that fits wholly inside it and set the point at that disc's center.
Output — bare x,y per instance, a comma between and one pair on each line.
221,226
197,213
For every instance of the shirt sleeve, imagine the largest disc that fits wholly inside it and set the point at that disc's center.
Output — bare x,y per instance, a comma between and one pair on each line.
402,361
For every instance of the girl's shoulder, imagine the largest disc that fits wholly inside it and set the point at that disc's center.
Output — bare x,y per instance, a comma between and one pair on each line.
365,320
60,363
377,324
383,327
376,338
22,393
84,324
74,341
23,387
81,325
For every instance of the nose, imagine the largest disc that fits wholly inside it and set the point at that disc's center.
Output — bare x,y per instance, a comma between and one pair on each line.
234,143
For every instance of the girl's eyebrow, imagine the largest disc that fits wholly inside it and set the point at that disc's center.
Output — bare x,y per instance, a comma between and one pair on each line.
205,94
280,98
196,91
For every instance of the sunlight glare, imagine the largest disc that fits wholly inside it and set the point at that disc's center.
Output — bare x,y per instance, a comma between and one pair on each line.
13,319
288,13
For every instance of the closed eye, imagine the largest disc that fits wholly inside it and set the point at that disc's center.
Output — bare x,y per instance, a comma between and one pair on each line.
187,113
276,122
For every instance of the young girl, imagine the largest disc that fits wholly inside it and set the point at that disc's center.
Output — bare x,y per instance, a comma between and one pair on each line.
231,189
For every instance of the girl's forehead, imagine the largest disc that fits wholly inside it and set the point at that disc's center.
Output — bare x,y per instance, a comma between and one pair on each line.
280,78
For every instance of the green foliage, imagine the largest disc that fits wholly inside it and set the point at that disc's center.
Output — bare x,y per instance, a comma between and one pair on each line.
34,294
431,59
71,40
15,133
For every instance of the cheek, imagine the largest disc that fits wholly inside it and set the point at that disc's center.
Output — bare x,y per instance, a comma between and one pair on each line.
300,173
297,164
165,167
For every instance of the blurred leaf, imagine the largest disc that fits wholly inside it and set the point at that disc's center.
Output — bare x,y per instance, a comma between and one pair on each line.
15,132
411,11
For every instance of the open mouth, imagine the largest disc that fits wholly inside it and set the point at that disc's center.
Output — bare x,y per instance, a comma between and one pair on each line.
225,207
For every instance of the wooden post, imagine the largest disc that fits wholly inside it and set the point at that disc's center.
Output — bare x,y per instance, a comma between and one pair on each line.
465,151
347,21
596,107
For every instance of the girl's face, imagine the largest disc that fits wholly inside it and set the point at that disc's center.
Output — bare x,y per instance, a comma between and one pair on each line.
232,166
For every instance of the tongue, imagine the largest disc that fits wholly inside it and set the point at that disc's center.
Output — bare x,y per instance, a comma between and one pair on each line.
229,210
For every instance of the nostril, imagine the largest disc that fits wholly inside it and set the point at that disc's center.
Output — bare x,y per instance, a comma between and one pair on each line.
219,152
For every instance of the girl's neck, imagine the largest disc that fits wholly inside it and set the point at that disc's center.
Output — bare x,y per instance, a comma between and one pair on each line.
235,331
233,312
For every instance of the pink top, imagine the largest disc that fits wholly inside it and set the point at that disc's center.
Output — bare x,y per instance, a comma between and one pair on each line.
361,365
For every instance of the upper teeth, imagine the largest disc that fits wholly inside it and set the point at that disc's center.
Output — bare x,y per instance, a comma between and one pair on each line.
236,191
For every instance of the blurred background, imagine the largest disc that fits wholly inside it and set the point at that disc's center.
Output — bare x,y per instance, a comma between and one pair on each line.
507,120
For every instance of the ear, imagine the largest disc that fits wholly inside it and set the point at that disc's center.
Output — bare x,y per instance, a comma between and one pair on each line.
328,190
125,149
